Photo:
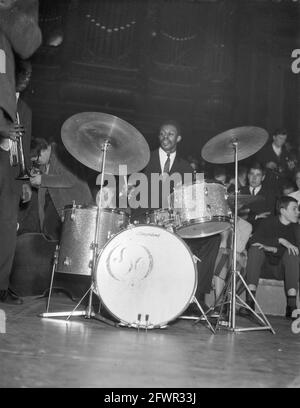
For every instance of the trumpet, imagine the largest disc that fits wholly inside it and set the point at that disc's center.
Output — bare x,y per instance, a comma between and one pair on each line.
24,173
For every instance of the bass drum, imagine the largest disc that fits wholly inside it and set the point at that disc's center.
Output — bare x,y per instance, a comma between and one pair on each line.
146,276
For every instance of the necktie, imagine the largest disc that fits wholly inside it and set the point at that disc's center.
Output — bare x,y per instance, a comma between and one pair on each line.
167,164
253,191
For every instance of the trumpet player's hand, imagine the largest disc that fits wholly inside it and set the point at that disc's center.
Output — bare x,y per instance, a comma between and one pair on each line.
36,180
26,193
11,131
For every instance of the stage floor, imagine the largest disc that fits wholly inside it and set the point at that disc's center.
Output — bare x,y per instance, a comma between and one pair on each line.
40,352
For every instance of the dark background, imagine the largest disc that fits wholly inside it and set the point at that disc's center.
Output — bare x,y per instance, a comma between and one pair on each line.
212,65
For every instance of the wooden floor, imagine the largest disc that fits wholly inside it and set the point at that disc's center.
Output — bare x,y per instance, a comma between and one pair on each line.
40,352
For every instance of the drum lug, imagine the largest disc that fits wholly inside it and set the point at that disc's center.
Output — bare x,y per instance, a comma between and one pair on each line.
62,217
72,216
93,246
206,191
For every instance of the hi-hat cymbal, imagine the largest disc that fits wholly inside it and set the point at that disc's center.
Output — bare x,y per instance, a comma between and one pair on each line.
244,199
85,134
220,148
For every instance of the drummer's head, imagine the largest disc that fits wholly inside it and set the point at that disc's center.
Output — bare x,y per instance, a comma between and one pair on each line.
256,175
169,135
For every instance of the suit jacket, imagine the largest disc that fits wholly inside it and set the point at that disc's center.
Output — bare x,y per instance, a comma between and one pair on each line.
65,183
180,166
8,101
267,154
268,203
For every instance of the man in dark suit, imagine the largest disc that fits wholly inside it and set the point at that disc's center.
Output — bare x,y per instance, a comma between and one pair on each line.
275,156
61,183
19,35
265,205
165,160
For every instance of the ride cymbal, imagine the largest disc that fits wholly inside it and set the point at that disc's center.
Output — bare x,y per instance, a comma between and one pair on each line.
85,134
220,149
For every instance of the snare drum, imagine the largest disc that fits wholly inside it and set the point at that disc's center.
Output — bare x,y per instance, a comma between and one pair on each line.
201,209
161,217
146,276
78,235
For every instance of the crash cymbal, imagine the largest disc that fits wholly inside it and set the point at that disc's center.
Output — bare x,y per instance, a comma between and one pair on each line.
84,135
220,148
244,199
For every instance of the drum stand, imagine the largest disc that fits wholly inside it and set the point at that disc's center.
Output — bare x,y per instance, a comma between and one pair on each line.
230,290
88,313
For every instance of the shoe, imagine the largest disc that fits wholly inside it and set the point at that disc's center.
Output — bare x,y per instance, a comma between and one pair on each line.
9,297
216,312
204,306
244,312
289,311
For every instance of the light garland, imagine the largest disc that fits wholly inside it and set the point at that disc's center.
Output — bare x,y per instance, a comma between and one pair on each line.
110,30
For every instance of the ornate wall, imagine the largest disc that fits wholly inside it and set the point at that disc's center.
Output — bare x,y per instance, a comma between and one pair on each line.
212,65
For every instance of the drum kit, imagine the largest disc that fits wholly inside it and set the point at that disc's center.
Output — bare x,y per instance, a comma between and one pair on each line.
143,273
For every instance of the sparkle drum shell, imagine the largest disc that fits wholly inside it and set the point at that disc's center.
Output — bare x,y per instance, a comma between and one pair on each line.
78,234
146,276
201,209
161,217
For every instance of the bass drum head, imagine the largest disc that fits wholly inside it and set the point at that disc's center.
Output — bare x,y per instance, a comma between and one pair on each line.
146,276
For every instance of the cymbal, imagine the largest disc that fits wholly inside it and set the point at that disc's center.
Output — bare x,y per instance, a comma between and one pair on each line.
85,134
220,148
244,199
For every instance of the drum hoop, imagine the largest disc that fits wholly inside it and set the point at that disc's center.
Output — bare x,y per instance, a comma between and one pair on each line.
202,220
199,182
94,207
176,236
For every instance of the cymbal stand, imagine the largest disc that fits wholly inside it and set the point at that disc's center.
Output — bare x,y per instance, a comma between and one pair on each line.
88,313
231,289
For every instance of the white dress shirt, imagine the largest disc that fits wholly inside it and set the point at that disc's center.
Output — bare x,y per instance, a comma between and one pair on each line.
163,157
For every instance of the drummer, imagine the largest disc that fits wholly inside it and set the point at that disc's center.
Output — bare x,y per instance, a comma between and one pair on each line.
166,160
61,183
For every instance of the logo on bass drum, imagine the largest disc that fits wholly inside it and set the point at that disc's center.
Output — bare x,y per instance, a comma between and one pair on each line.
131,263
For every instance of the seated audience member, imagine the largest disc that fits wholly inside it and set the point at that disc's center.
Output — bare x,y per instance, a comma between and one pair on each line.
296,193
265,206
276,156
288,187
224,259
61,183
273,251
242,180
